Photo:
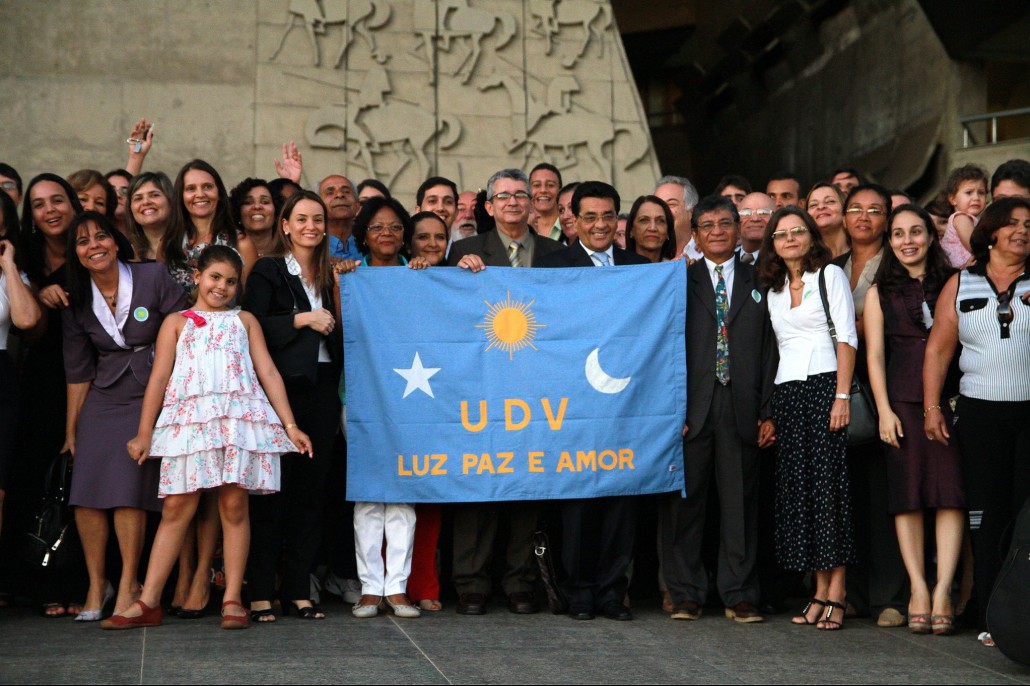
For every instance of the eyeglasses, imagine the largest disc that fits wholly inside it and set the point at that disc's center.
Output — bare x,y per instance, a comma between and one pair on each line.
504,197
9,186
724,224
868,211
380,228
745,213
607,218
831,202
122,191
1004,312
794,231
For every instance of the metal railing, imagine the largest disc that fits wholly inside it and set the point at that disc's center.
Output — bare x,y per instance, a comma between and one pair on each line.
969,138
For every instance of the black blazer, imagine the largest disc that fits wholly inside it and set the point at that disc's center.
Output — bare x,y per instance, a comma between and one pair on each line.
575,256
753,351
489,247
274,296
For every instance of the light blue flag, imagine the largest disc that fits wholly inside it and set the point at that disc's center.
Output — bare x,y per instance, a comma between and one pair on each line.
514,384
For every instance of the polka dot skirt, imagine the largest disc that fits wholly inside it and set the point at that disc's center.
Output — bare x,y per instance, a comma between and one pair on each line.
813,505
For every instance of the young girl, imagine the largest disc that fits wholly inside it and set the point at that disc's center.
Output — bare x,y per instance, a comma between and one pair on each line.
967,193
217,430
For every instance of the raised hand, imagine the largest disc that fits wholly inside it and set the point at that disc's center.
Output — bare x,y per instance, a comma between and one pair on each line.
292,165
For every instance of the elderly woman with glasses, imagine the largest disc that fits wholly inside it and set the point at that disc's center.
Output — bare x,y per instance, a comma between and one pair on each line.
811,408
985,309
382,229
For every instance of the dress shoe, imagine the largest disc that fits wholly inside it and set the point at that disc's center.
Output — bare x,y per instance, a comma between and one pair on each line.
687,609
745,613
581,612
890,618
471,604
521,603
617,611
150,616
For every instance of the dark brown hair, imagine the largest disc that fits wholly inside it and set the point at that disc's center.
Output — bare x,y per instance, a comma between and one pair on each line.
322,278
668,250
996,216
772,270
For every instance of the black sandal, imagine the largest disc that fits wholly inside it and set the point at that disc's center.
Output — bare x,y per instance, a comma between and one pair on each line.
259,616
834,625
804,612
309,612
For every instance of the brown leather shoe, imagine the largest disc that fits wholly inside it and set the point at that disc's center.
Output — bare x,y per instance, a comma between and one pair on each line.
745,613
687,609
471,604
522,603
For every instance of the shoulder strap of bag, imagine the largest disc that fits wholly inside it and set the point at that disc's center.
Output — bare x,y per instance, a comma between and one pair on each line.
826,308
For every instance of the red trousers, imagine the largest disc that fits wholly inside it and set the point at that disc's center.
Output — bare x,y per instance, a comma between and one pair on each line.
424,581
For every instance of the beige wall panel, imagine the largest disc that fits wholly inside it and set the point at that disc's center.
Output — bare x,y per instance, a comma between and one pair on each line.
231,81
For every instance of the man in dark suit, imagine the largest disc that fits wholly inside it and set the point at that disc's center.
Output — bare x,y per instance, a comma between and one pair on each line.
597,533
510,244
731,365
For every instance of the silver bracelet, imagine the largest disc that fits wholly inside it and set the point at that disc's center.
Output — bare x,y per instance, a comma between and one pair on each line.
843,396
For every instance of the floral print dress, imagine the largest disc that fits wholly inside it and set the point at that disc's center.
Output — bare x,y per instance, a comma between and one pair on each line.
217,426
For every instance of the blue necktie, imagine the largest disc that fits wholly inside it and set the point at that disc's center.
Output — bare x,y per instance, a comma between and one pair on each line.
602,257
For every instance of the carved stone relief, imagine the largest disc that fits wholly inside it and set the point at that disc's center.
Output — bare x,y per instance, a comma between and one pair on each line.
558,109
377,127
449,21
356,16
550,15
542,126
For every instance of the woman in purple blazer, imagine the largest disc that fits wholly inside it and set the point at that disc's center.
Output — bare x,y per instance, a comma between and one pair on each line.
115,312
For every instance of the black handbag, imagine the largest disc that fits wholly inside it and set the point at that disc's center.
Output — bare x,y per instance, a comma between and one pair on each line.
54,539
864,426
548,573
1008,610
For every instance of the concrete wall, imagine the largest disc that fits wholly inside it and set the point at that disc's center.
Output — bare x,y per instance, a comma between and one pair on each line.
876,91
231,81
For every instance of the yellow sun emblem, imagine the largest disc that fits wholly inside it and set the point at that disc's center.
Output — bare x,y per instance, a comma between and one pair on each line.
510,325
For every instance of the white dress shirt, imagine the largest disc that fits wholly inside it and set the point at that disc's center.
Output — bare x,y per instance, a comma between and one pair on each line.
597,261
802,334
691,251
727,276
5,308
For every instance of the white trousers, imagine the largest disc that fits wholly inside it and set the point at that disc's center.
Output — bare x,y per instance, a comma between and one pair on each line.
371,522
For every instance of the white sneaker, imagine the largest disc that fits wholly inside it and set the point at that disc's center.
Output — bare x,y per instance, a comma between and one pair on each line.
348,589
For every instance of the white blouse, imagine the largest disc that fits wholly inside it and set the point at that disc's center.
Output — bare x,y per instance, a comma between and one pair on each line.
802,334
5,308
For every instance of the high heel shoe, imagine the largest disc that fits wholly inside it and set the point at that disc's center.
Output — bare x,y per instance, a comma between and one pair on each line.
96,615
943,625
919,623
804,613
830,624
149,616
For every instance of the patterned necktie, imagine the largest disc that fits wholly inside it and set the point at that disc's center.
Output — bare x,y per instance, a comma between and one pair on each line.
746,257
513,254
722,342
602,257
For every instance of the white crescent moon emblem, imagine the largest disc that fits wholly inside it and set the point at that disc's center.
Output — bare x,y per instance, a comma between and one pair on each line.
601,381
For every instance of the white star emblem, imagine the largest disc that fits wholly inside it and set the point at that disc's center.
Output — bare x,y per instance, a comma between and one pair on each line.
417,377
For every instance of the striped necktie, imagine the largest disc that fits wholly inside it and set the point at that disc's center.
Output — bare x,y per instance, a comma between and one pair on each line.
602,258
513,254
722,341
